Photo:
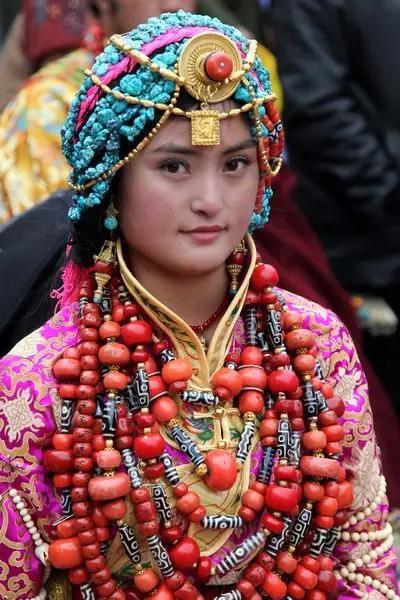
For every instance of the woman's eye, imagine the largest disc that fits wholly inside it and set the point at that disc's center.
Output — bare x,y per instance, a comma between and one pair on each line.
175,166
236,164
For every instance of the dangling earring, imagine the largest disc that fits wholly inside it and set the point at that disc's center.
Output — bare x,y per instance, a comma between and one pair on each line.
106,259
235,266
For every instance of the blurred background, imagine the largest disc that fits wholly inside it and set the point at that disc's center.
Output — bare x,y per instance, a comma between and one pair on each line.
334,232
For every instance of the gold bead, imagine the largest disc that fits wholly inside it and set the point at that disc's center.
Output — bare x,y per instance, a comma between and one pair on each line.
202,470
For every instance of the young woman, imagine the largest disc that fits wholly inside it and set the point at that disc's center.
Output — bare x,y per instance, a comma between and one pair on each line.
183,428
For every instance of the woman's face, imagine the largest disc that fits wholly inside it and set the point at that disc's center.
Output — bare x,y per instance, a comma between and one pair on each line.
184,208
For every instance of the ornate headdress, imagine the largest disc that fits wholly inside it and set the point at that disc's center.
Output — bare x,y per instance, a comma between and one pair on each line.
135,85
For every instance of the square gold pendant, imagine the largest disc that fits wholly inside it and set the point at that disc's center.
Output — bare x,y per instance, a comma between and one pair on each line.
205,127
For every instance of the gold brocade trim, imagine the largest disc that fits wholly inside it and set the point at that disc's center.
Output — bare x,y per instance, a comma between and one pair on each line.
185,341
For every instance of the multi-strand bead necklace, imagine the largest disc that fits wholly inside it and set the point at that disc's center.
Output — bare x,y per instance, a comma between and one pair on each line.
117,387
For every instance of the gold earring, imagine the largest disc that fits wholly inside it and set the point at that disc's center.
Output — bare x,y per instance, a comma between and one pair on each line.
235,266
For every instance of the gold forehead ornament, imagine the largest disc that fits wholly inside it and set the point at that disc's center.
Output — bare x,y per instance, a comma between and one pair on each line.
210,68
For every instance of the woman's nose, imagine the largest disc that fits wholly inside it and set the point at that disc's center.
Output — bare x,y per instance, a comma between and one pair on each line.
207,200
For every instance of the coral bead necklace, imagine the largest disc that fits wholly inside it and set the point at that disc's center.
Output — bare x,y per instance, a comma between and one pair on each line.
118,388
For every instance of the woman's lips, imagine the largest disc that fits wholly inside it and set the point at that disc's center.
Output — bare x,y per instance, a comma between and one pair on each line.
205,234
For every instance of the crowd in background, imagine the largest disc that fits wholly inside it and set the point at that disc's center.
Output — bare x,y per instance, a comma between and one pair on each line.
336,212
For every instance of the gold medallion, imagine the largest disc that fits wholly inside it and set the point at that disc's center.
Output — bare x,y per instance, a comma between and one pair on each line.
191,67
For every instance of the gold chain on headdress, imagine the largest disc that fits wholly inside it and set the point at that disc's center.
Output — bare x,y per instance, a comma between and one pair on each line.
189,72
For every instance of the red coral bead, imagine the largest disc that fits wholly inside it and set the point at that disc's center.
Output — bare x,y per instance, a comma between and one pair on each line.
58,461
148,528
334,433
251,355
283,380
313,466
136,332
251,401
188,503
229,379
218,66
203,569
278,498
65,553
295,591
170,535
164,409
253,500
185,554
327,506
286,562
175,581
62,441
264,276
253,377
154,471
255,574
149,446
140,495
67,529
274,586
108,459
313,491
314,440
145,511
178,369
299,339
115,380
146,580
335,403
66,369
161,593
114,353
273,524
108,488
78,576
222,470
109,329
345,495
305,578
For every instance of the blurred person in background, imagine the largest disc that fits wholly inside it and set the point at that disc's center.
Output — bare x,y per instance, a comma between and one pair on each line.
339,70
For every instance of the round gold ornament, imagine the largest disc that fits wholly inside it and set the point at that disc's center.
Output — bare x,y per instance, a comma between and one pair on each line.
191,67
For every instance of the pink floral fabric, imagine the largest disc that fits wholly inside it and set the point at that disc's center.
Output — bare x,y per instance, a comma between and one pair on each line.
29,403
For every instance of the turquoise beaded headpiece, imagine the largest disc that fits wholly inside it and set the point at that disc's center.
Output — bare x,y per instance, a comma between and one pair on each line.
139,76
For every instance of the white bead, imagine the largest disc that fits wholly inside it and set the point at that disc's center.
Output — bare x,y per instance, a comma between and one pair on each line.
23,512
32,529
376,584
364,536
374,506
20,505
27,518
13,493
36,536
360,516
373,554
346,536
391,594
16,499
367,580
366,559
372,536
353,520
384,588
38,542
352,577
355,536
359,577
351,567
368,511
344,572
346,525
358,562
42,553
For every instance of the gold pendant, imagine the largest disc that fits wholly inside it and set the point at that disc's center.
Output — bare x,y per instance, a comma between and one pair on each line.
205,127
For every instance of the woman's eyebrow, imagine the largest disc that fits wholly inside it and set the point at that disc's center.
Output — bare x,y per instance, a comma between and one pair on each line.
178,149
